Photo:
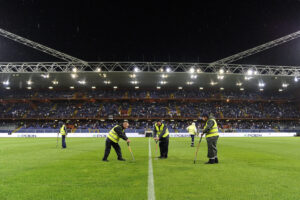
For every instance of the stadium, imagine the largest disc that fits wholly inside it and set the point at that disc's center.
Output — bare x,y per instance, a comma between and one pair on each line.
59,119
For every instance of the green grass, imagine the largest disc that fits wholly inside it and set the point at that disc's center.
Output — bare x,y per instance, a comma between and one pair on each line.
250,168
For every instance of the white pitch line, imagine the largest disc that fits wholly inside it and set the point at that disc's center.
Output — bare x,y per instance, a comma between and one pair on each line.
151,192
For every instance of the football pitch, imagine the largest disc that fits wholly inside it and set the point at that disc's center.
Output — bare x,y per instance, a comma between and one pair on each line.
249,168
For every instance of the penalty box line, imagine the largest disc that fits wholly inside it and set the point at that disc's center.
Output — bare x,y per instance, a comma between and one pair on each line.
151,192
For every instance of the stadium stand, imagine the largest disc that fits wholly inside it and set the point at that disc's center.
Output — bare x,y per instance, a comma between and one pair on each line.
40,111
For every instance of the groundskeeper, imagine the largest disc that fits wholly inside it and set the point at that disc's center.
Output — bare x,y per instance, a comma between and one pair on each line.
161,134
113,138
64,133
192,131
211,133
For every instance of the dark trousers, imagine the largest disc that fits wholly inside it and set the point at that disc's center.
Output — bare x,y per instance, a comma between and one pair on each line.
63,141
164,147
108,145
193,138
212,151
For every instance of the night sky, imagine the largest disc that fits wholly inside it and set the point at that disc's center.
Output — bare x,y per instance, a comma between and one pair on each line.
189,31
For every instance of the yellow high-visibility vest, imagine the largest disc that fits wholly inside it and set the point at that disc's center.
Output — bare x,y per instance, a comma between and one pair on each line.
113,136
62,130
213,131
160,129
192,130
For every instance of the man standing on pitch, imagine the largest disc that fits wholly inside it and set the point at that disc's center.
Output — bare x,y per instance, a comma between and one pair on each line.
212,134
161,134
64,133
113,138
192,131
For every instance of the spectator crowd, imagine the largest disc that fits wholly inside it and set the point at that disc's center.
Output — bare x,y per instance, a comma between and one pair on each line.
176,106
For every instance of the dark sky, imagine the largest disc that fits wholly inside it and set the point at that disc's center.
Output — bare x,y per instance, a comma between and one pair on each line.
188,31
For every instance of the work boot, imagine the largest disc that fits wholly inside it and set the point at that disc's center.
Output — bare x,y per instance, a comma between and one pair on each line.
216,160
121,159
210,161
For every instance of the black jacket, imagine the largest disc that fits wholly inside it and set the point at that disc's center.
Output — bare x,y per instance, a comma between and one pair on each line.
120,131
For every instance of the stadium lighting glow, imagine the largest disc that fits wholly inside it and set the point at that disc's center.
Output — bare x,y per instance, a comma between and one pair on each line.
29,88
261,89
163,82
199,71
74,76
45,75
98,69
115,87
221,71
261,84
50,87
280,90
255,72
194,76
285,85
179,88
296,79
93,87
29,82
221,88
136,69
250,72
82,82
107,82
71,87
168,69
158,87
136,87
190,83
6,82
201,88
213,83
164,76
134,82
55,82
239,84
242,89
74,69
161,69
247,78
192,70
8,88
220,77
132,75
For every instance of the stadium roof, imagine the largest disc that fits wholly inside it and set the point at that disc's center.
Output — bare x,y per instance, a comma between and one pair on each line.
149,76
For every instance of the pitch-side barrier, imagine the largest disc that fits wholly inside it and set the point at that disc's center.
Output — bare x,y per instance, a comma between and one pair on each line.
101,135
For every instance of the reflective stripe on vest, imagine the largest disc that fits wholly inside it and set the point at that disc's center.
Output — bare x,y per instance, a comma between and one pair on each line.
160,129
62,130
113,136
192,129
214,130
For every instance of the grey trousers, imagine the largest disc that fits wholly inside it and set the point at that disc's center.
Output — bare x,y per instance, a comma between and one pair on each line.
212,150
